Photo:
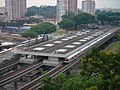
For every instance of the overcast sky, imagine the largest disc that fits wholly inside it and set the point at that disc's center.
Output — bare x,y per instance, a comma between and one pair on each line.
99,3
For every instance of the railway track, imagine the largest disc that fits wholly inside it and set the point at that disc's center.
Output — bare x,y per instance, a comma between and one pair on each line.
36,84
8,64
37,80
15,75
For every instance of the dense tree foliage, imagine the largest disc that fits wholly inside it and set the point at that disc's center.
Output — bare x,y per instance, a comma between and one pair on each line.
19,23
105,64
99,70
46,12
29,34
76,82
108,17
42,28
83,20
118,38
80,21
67,24
68,15
31,11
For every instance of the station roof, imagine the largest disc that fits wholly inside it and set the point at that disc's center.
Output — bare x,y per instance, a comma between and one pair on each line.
64,46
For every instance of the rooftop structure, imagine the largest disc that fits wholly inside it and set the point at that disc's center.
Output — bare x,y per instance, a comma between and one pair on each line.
62,47
66,48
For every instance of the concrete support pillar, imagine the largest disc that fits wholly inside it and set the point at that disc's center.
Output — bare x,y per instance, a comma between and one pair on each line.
67,72
15,85
32,56
16,67
26,56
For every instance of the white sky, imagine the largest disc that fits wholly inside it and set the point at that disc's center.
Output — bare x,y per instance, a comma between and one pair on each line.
99,3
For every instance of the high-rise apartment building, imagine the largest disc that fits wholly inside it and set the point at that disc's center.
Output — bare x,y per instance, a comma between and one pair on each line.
23,8
15,8
72,6
64,6
88,6
8,5
61,9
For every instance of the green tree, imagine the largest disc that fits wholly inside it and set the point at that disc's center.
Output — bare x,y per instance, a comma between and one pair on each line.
56,84
46,12
99,70
48,84
118,38
79,82
83,19
44,28
75,82
102,17
59,80
67,24
68,15
31,11
29,34
105,64
112,18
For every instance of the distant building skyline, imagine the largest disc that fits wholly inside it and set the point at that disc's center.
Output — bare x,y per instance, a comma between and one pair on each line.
99,3
89,6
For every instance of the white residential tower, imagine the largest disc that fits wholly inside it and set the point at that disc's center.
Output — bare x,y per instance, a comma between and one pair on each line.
88,6
64,6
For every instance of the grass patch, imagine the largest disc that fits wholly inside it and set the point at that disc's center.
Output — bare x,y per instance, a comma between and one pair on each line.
114,47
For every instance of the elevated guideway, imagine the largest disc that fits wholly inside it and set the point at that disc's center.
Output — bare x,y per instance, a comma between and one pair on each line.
36,84
57,50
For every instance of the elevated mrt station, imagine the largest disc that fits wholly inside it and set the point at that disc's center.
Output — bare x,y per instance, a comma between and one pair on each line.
67,48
